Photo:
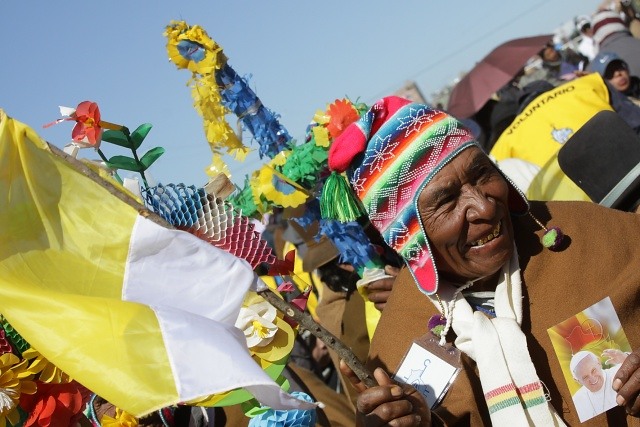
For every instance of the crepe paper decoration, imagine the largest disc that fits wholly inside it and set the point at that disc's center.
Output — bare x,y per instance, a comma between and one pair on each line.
283,267
55,404
14,381
5,344
189,47
263,124
286,286
320,136
19,343
217,167
352,243
121,419
279,418
88,129
305,165
277,188
256,322
211,219
310,215
244,201
301,300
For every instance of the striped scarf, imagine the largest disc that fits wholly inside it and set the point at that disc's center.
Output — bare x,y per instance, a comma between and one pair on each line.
512,389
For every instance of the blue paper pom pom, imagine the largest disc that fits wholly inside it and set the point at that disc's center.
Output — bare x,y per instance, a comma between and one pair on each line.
290,418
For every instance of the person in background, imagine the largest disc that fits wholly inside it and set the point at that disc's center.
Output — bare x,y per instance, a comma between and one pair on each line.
612,35
587,46
615,71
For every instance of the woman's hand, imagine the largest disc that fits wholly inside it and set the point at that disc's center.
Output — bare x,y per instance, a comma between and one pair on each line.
387,403
378,292
627,383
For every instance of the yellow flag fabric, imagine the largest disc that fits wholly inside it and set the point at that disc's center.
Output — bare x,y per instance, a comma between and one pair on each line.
537,133
137,313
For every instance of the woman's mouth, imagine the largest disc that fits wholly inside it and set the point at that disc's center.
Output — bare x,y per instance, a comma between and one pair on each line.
494,233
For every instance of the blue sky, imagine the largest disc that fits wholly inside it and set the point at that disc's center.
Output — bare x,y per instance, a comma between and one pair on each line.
298,55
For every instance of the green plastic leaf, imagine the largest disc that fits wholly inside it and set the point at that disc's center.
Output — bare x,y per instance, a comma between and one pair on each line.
126,163
117,137
151,156
140,134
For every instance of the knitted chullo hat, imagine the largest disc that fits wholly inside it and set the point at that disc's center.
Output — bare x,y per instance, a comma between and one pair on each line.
389,155
605,23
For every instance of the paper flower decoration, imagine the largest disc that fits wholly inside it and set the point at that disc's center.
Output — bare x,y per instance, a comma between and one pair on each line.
121,419
15,380
278,189
55,405
342,113
46,371
256,321
88,129
293,418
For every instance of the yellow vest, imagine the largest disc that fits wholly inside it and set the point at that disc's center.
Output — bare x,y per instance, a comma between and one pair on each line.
550,183
537,133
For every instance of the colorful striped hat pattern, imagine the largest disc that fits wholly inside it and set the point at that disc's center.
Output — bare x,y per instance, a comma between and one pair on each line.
389,156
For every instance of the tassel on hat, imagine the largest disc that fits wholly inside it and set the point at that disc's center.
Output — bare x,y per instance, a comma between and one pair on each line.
338,201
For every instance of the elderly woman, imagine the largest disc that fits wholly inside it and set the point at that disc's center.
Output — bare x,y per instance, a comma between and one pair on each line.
474,259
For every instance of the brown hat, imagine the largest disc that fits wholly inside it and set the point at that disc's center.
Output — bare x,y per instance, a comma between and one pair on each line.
318,254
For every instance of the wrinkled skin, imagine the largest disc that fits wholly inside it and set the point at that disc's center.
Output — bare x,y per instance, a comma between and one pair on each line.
627,383
378,292
387,404
466,217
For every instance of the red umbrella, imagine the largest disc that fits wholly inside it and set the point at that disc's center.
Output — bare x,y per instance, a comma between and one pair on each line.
491,73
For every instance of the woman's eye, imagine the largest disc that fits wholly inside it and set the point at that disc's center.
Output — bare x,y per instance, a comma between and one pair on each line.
485,173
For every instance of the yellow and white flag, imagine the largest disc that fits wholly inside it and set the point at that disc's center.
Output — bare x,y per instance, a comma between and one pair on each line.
139,314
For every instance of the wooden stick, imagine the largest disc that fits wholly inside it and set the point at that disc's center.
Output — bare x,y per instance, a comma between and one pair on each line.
304,319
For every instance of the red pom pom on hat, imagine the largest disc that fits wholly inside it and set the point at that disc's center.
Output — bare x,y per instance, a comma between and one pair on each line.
345,147
353,141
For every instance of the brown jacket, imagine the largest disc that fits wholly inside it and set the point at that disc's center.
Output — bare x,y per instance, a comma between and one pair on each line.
601,258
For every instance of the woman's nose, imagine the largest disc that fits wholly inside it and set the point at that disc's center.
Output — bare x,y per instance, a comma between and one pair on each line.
478,205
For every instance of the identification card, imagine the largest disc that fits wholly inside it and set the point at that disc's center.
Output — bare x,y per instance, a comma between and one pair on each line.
430,368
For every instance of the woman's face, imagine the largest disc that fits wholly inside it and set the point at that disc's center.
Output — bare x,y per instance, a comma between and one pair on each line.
465,215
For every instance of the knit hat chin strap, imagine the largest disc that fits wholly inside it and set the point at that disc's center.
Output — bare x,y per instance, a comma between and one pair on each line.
512,389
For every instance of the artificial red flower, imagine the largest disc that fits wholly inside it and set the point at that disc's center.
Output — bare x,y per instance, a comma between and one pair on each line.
87,128
55,404
342,113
